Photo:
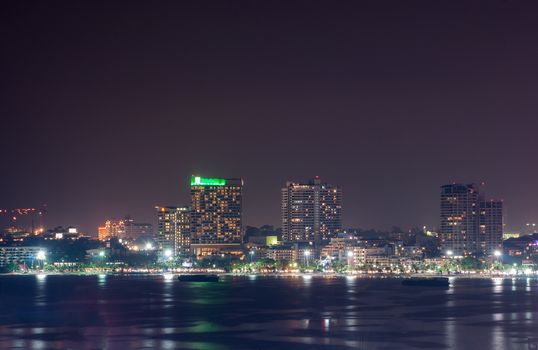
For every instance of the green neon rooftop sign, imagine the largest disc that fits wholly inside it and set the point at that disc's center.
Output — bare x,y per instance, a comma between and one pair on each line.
205,181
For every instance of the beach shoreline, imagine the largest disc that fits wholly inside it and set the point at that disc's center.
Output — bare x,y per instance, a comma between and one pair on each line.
235,274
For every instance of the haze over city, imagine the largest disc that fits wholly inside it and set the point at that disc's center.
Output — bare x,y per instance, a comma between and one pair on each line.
108,109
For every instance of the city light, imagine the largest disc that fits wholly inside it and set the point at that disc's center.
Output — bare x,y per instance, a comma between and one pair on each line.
307,253
168,254
102,253
449,252
203,181
497,253
350,254
149,246
41,255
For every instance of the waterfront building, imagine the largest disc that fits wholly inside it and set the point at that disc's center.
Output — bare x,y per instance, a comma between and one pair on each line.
490,227
362,253
382,261
216,213
21,255
409,251
254,251
282,253
311,211
201,250
459,218
97,253
525,247
173,235
470,225
339,248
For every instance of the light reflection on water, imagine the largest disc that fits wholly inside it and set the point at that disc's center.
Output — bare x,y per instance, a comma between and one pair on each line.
101,278
123,312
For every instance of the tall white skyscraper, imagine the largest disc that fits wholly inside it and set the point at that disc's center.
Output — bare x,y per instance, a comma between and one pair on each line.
311,211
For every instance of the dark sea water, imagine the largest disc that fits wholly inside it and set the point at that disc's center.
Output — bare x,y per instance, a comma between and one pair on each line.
159,312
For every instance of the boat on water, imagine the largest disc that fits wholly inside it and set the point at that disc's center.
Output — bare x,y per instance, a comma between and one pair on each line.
198,278
426,282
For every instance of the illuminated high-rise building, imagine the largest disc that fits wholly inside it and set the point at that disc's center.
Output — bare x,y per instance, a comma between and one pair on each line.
470,225
216,211
103,233
113,228
459,218
173,230
311,211
183,232
491,227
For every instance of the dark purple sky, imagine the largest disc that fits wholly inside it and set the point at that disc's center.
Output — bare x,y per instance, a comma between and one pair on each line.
108,107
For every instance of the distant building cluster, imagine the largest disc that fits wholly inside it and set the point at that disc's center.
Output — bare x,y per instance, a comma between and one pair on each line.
125,228
311,217
211,227
211,224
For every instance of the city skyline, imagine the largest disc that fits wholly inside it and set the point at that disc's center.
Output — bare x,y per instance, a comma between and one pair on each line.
195,181
284,174
111,107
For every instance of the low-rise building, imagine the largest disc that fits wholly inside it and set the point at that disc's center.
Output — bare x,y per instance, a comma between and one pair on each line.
21,255
339,248
62,233
282,253
409,251
200,251
263,240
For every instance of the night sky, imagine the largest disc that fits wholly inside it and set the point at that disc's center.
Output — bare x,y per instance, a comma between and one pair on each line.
108,107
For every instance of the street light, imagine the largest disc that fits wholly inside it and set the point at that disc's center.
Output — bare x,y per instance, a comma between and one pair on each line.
168,254
350,256
40,255
449,253
307,256
498,254
102,253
